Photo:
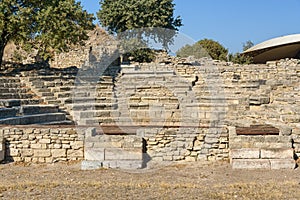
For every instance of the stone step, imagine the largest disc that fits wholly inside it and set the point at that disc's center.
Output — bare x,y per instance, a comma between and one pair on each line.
262,153
144,121
91,114
8,112
141,73
266,142
210,106
14,90
11,85
94,106
38,109
77,94
54,102
16,96
89,100
65,122
42,90
51,78
9,79
263,164
34,119
10,102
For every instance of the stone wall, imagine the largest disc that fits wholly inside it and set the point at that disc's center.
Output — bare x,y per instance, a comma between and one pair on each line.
186,143
42,144
113,151
183,110
261,151
99,43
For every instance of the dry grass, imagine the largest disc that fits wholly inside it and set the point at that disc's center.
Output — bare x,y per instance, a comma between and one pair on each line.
181,181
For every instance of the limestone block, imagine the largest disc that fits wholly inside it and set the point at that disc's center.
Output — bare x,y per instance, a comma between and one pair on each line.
190,159
91,164
245,153
58,153
277,153
36,146
251,164
282,163
77,145
42,153
26,152
123,154
13,152
71,153
94,154
128,164
45,141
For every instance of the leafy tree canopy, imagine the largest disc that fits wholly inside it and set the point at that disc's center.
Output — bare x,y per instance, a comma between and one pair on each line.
247,45
120,16
239,58
45,25
204,48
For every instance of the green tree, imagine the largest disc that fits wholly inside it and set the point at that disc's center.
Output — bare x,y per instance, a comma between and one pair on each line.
195,50
240,58
204,48
120,16
48,26
247,45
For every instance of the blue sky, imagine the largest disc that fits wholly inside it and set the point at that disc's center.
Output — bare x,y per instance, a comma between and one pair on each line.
233,22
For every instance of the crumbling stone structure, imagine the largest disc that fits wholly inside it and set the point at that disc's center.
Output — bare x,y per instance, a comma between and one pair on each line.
170,110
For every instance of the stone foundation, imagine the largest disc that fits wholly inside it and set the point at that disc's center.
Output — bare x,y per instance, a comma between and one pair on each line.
186,143
113,151
42,144
261,151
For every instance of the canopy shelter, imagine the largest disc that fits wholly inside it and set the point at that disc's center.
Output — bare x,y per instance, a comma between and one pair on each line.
275,49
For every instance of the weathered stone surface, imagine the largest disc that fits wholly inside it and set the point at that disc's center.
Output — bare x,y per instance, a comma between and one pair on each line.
277,153
282,163
94,154
245,153
58,153
91,164
251,164
123,154
42,153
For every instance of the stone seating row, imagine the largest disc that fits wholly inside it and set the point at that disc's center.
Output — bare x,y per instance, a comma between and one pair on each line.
32,114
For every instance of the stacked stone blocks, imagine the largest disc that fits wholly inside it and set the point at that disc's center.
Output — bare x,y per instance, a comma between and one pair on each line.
42,144
261,151
112,151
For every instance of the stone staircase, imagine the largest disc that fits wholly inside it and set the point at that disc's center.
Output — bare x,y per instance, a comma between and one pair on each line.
19,105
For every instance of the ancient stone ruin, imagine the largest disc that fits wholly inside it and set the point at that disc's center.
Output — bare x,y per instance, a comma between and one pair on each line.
129,116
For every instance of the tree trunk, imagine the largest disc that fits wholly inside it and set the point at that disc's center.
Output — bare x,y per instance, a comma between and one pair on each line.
3,42
2,46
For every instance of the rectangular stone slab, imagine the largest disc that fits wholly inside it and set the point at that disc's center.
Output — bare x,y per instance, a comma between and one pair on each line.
251,164
245,153
277,153
282,163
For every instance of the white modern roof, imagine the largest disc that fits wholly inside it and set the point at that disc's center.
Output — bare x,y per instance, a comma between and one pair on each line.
284,40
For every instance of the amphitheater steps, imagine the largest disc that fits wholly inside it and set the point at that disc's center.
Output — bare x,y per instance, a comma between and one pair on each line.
34,119
8,112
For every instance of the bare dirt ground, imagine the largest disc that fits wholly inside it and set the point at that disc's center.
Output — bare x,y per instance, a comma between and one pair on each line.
175,181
